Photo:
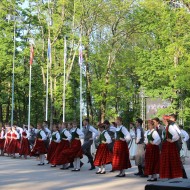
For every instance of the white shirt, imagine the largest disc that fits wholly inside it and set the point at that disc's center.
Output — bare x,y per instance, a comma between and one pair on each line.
174,132
124,131
184,135
155,136
19,130
79,132
112,129
93,130
2,135
132,133
107,136
67,134
43,135
56,133
138,136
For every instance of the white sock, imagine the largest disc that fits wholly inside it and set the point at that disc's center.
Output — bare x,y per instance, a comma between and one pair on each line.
103,168
154,176
78,163
122,172
75,163
42,158
99,169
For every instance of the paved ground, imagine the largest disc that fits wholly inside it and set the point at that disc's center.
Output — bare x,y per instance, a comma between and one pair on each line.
18,174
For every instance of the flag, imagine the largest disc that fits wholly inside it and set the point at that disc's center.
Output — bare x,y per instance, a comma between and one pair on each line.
49,49
80,56
31,54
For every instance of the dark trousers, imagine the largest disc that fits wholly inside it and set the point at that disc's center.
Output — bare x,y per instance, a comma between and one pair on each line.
86,147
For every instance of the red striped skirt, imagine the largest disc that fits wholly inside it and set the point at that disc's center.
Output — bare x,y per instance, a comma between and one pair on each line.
14,146
51,151
120,159
103,155
39,148
25,147
170,163
58,158
152,159
74,151
2,143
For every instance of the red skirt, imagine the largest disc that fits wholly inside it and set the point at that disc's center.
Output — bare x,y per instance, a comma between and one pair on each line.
57,158
103,155
39,148
14,146
152,159
6,146
52,148
25,147
74,151
170,163
2,143
120,159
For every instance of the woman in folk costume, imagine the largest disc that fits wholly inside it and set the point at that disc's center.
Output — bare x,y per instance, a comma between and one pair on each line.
132,145
39,145
7,140
14,146
184,138
25,145
170,163
65,138
120,159
2,140
54,142
74,153
103,154
152,154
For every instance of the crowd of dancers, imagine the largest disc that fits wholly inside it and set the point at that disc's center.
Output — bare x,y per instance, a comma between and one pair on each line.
161,149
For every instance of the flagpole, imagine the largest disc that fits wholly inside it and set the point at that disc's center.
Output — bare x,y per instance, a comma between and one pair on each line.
64,76
80,63
29,99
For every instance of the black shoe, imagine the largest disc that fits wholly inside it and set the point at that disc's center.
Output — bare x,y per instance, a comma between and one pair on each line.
92,168
41,164
149,179
64,168
112,170
47,163
139,173
98,172
53,166
81,164
71,166
120,175
75,170
103,172
144,175
152,180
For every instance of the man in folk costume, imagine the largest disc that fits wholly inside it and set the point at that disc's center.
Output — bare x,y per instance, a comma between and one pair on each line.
170,163
90,133
111,131
32,135
54,142
120,159
185,138
25,145
47,132
2,140
152,154
65,138
173,119
140,152
39,146
103,154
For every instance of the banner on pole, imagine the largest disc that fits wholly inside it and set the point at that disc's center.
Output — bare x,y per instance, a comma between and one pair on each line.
31,54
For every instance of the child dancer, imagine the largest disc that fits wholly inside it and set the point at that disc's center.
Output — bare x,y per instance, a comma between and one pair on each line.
54,142
103,154
152,154
25,145
7,139
2,140
39,146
